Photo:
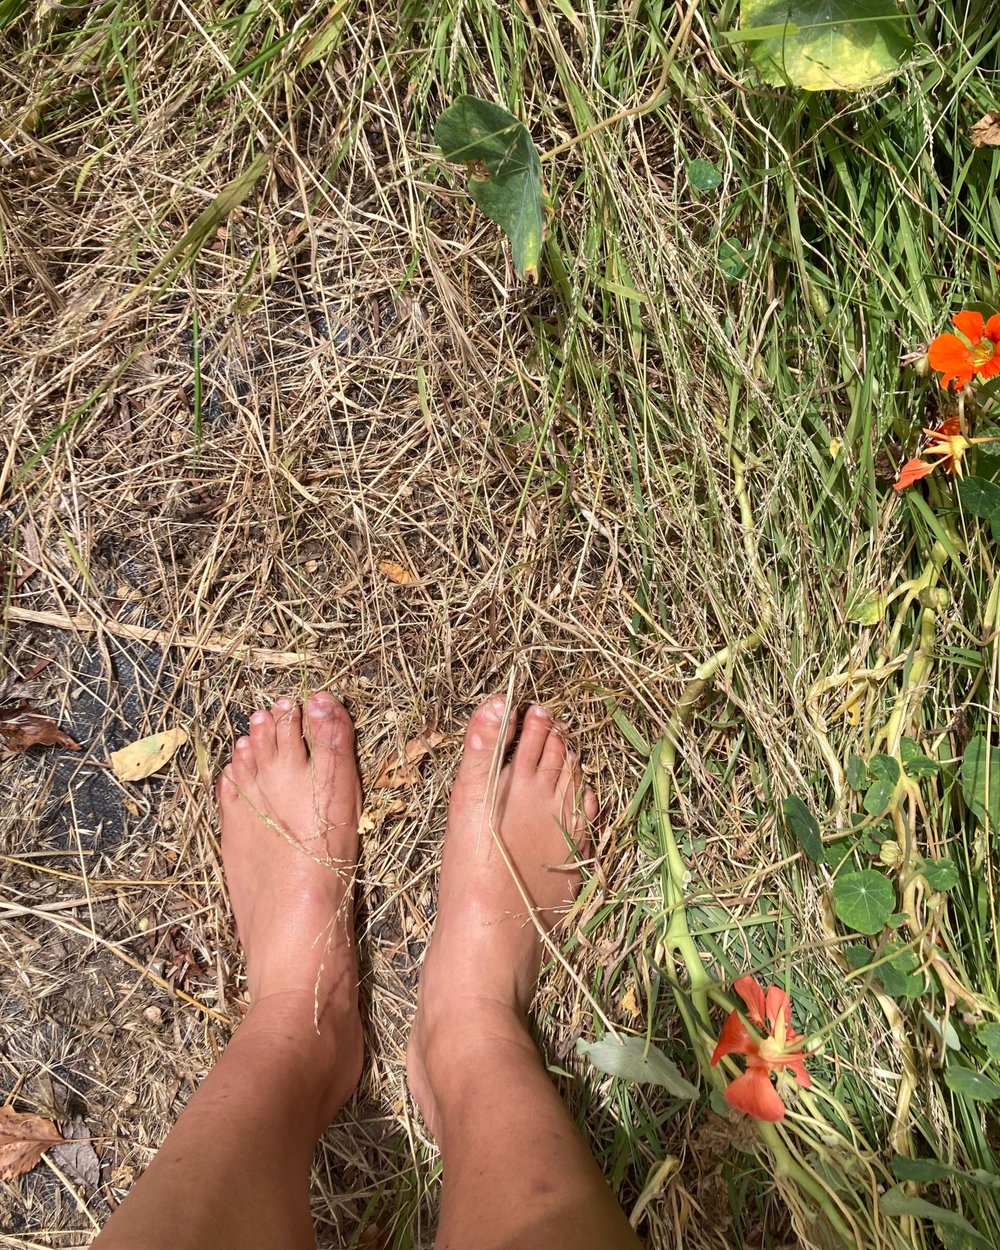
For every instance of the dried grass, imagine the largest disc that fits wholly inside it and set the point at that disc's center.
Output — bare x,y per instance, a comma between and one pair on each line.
228,400
366,393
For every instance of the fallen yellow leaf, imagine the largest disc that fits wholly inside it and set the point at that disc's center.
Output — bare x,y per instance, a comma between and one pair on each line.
397,573
148,755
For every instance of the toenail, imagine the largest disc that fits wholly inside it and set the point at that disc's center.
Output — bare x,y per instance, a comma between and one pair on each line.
258,718
320,709
493,709
284,703
242,743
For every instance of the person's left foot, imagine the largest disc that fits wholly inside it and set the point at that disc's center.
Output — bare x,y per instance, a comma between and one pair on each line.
290,801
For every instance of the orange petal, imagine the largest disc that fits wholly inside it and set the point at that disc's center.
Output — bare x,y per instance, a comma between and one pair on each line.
947,429
753,1093
991,368
912,472
778,1004
734,1039
750,991
970,324
950,357
797,1065
993,328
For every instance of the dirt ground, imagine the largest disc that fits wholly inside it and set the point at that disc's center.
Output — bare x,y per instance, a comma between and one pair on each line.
200,581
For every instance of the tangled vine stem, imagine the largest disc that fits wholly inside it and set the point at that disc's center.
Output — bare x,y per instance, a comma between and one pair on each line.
677,942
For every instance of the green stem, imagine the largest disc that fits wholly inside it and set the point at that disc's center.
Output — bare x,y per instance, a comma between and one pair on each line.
693,1004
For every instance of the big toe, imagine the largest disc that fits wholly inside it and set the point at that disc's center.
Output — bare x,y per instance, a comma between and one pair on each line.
330,733
490,733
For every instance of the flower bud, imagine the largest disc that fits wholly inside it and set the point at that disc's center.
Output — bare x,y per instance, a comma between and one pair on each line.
936,598
890,853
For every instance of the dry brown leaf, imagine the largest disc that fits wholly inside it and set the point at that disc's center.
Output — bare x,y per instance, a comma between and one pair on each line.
629,1003
148,755
21,727
372,818
986,132
76,1155
401,771
397,573
23,1138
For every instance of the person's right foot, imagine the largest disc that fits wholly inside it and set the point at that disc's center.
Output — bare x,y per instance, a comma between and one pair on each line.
514,834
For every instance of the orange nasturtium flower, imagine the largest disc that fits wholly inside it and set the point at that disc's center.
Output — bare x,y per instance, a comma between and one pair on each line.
948,446
957,361
771,1013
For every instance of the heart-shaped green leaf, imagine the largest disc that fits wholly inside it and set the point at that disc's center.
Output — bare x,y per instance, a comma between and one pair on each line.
929,1170
914,761
857,773
981,780
824,45
634,1059
506,175
989,1036
978,497
897,1202
802,823
971,1085
878,796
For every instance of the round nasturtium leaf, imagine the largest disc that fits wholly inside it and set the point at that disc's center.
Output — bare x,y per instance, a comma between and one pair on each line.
940,874
703,176
825,45
864,900
981,779
989,1036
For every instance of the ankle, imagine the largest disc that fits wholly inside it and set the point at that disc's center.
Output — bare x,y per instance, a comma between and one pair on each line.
324,1042
470,1036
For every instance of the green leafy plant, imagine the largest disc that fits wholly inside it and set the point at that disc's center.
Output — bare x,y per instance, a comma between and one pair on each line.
505,174
824,45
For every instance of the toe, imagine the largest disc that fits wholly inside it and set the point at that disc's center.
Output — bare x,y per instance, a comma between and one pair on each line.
534,736
262,736
329,730
554,754
243,768
576,809
490,732
287,717
225,787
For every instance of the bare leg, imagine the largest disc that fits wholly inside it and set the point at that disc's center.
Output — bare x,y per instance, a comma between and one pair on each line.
233,1173
517,1174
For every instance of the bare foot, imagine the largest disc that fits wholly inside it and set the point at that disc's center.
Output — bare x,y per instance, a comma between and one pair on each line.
290,801
513,837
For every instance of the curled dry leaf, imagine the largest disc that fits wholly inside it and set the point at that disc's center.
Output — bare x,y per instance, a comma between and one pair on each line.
76,1155
148,755
21,727
402,769
397,573
986,132
23,1138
